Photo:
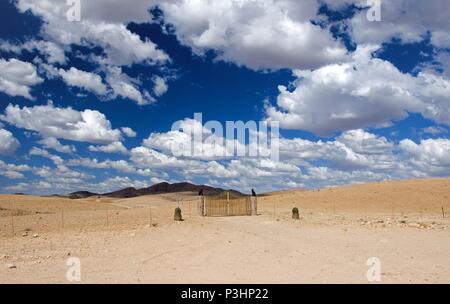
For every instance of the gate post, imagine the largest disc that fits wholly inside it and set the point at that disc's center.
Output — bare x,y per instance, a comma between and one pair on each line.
201,206
254,205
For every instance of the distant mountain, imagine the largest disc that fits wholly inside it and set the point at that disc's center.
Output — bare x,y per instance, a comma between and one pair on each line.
81,194
124,193
157,189
180,187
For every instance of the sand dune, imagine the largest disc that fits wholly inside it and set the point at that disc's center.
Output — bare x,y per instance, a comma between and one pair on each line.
136,240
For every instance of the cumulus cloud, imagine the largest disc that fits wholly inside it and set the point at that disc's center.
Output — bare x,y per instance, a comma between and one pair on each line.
127,87
66,123
17,187
114,147
53,143
434,130
93,30
85,80
120,182
12,171
61,177
194,140
120,165
257,34
355,156
334,92
17,77
101,27
352,150
160,87
429,157
128,131
149,158
410,21
8,143
364,92
57,160
52,52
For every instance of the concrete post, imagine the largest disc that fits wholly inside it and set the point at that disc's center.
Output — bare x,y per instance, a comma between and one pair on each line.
253,201
201,206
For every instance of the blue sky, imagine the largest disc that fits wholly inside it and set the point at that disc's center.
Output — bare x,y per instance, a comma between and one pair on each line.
88,105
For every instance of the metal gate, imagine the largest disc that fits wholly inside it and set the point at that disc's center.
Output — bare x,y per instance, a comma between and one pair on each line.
227,207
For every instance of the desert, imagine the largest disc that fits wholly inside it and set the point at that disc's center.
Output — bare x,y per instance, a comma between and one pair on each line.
403,224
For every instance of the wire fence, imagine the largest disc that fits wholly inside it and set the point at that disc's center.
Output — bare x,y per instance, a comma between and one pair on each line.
112,217
19,222
280,208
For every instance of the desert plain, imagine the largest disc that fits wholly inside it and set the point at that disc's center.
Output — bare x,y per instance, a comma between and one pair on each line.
405,225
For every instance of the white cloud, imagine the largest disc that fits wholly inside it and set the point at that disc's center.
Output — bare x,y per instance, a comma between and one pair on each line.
52,52
17,77
430,156
111,35
352,150
144,157
156,180
57,160
53,143
195,141
119,165
59,178
8,143
17,187
128,131
101,27
258,34
84,80
114,147
126,87
410,21
60,173
12,171
434,130
66,123
364,142
364,92
444,59
355,156
120,182
160,87
117,11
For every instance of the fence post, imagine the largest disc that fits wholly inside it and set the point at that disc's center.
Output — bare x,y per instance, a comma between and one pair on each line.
62,219
107,217
150,216
12,224
443,212
254,205
228,203
201,206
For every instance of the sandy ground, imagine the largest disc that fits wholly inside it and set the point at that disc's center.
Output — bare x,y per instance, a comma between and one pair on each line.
136,241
